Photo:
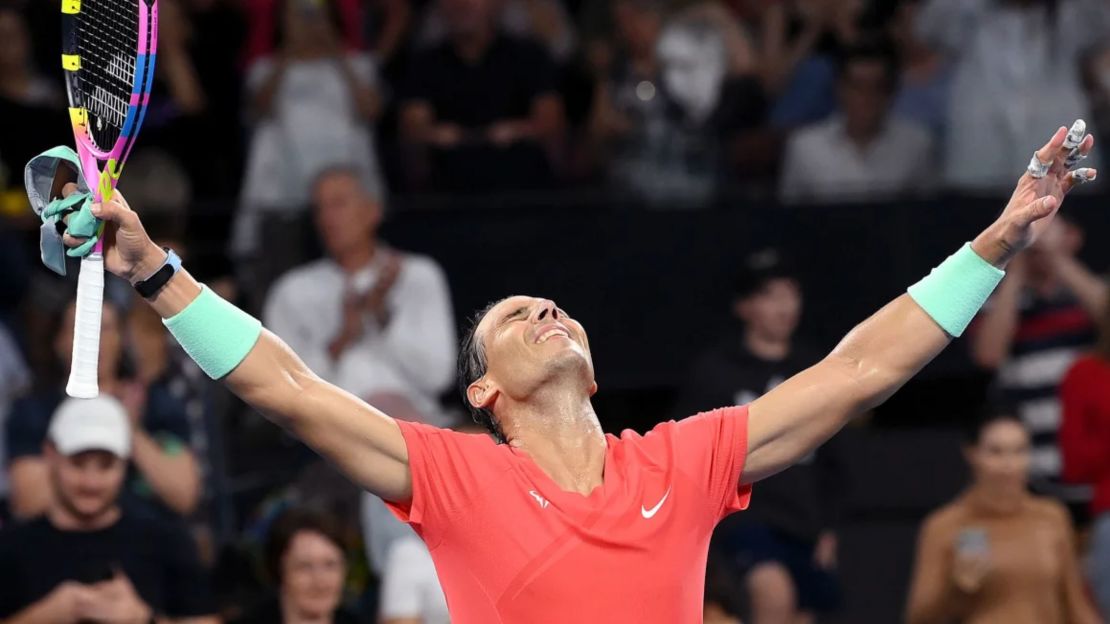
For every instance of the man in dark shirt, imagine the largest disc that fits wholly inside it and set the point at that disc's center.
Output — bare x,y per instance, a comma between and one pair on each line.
481,108
784,545
86,559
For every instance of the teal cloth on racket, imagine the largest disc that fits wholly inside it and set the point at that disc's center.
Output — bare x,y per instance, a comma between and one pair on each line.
954,291
39,177
215,333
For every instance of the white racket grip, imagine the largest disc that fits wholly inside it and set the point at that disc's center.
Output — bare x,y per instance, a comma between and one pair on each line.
86,328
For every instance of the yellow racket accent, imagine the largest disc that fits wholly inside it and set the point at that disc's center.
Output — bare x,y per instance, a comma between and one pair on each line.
78,117
71,7
71,62
108,179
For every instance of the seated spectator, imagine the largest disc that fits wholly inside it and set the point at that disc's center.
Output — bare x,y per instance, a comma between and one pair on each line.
544,21
925,76
304,557
997,553
1085,449
14,380
480,112
1000,50
863,153
410,592
313,106
374,321
1039,320
664,115
162,477
88,559
784,548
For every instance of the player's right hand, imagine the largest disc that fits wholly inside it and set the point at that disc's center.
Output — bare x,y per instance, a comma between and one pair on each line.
128,251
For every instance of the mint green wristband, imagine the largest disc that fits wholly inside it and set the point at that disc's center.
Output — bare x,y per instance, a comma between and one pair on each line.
215,333
954,291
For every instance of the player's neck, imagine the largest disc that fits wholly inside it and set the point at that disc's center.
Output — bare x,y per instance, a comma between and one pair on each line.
559,430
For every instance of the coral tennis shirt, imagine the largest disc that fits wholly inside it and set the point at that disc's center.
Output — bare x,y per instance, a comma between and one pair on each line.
511,547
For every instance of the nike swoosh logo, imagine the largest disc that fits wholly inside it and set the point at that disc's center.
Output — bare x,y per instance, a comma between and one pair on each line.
648,513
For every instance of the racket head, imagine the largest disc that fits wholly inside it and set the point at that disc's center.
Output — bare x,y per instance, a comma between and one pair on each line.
108,51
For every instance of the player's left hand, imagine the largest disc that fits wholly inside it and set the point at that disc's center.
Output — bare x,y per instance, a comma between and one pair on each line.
1039,193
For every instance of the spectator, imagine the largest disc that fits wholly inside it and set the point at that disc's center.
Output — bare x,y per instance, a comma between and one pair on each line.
666,113
372,320
162,478
313,105
997,553
543,21
1030,332
89,559
14,380
925,76
304,557
19,82
410,588
785,546
481,112
1006,53
1085,449
864,152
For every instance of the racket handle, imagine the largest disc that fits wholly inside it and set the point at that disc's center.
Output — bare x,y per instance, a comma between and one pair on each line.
86,328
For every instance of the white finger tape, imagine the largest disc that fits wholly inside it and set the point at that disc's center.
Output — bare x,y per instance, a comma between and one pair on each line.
1074,158
1083,176
1036,168
1076,134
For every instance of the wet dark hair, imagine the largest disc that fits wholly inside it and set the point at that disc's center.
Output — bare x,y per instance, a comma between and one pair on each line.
472,365
286,527
973,434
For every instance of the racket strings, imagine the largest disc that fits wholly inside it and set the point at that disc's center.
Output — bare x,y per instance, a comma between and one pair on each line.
107,35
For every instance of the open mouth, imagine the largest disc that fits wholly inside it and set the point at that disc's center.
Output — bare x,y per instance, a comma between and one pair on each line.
551,333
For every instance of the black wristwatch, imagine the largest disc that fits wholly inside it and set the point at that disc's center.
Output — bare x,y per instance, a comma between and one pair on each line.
151,285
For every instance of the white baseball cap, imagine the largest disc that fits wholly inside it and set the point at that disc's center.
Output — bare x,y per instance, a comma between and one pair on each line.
98,424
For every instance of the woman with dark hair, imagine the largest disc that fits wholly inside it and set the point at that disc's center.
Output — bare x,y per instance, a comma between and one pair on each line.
997,553
1085,449
305,558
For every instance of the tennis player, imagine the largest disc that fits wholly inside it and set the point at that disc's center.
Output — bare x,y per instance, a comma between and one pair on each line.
560,522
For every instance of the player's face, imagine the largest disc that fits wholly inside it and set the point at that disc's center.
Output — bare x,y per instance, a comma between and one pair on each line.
346,217
1000,460
528,343
312,573
86,484
773,312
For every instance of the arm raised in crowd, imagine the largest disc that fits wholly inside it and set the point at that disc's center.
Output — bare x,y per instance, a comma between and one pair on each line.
363,442
882,353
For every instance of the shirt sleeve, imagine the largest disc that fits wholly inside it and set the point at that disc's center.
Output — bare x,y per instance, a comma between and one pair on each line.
188,588
445,469
711,448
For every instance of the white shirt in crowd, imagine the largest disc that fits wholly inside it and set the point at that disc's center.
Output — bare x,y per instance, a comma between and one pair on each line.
410,587
823,165
414,355
313,125
1006,58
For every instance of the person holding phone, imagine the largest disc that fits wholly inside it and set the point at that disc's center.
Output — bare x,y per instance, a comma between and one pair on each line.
997,553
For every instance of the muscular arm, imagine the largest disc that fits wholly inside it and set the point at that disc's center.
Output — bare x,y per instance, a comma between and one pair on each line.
870,364
363,442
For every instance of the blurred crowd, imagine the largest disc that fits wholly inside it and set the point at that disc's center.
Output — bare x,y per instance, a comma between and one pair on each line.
283,130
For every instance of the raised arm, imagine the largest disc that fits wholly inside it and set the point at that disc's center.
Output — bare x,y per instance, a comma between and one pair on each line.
363,442
881,354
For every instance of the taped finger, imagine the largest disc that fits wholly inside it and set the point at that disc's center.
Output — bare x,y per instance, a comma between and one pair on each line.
1082,176
1075,135
1037,168
1075,156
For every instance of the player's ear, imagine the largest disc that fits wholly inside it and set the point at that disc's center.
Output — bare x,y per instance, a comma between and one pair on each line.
481,393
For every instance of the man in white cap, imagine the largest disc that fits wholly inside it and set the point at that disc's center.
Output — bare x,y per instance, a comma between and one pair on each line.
85,559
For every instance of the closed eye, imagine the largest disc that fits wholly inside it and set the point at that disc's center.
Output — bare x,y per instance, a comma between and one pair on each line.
519,313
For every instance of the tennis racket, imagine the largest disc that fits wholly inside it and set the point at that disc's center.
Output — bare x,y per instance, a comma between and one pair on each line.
108,50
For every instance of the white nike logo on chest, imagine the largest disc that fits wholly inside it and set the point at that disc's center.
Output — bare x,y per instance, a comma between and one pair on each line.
648,513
